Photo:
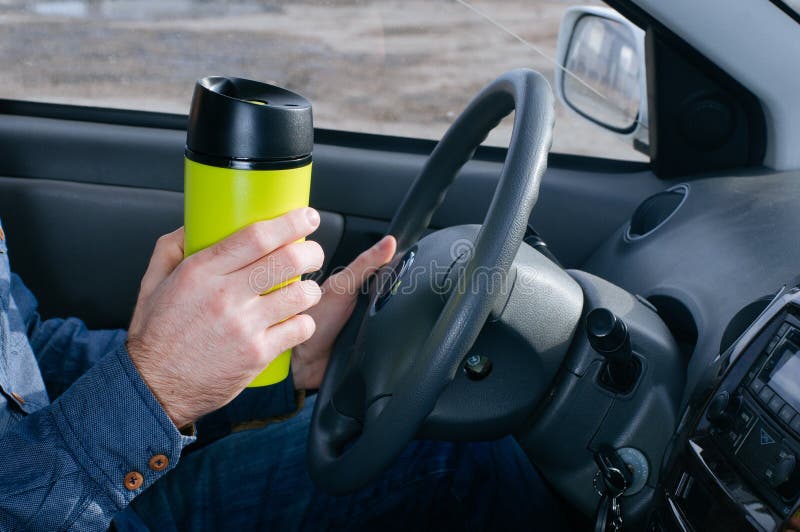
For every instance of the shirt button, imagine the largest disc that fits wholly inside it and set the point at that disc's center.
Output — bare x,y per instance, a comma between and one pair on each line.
18,397
159,462
134,480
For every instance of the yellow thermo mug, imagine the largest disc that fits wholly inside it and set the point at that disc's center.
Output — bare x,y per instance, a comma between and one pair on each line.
247,158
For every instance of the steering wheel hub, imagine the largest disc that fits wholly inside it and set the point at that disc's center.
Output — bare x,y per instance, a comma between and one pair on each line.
392,285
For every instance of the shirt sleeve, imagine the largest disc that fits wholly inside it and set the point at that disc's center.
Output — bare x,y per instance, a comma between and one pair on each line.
64,348
86,456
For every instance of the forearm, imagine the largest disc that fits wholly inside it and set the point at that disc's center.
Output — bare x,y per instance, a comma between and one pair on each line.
64,348
86,456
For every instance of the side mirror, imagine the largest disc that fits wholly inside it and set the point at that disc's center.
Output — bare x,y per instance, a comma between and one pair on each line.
601,73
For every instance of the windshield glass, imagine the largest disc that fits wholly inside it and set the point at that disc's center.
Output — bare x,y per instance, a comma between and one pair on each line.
398,67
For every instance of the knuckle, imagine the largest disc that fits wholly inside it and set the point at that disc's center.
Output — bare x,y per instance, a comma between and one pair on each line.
252,237
270,347
235,327
162,242
220,249
187,271
305,294
297,222
294,295
259,278
366,255
308,293
261,236
295,256
220,303
217,305
255,353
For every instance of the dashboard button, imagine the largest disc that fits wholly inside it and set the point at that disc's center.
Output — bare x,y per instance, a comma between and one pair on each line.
775,404
772,343
718,408
765,394
745,416
784,468
756,385
731,438
759,451
787,413
783,328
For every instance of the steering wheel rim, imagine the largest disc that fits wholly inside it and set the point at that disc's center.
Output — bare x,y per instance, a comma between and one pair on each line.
346,451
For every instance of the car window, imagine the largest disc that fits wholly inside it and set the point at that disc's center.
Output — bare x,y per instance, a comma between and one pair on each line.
396,67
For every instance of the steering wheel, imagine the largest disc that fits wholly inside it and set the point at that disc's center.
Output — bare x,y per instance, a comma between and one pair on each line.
408,337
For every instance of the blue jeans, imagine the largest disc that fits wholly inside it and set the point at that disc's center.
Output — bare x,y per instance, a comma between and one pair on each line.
257,480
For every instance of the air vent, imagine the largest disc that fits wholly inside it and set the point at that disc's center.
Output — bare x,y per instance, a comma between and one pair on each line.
655,211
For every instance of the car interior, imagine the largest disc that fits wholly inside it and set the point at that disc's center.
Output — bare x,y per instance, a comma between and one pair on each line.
651,322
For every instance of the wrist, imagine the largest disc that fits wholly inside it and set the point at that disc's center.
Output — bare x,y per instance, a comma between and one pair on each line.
149,375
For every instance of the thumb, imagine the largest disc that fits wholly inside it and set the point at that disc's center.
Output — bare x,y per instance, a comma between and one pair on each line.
167,254
347,282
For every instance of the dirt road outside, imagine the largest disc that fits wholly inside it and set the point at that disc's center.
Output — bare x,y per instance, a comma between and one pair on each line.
400,67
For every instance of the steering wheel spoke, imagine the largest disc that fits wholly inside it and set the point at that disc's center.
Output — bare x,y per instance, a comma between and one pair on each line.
339,429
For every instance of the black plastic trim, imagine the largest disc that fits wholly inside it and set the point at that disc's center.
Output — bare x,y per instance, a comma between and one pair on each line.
100,115
663,164
331,137
246,164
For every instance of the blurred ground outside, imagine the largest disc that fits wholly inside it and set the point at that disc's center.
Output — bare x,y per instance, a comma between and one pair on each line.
383,66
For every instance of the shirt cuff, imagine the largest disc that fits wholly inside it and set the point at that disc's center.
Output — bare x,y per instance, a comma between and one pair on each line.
117,429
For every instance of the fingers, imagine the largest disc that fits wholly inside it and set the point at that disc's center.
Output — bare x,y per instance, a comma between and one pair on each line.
280,266
347,282
287,334
167,254
256,241
283,303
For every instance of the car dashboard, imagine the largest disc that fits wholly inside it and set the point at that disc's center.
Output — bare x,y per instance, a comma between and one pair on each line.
718,258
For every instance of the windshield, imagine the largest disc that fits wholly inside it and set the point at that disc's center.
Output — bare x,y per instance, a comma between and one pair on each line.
395,67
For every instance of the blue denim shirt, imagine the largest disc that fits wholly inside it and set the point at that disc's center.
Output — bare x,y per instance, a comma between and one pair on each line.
76,418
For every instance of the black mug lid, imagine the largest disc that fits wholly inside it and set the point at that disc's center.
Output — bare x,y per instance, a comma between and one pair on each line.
235,119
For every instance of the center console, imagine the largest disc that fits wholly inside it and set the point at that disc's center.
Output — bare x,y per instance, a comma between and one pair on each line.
736,463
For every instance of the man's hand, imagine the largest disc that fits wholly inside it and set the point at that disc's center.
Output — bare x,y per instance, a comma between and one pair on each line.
339,294
200,332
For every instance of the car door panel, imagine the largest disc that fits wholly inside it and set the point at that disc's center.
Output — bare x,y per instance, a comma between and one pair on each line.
88,199
82,248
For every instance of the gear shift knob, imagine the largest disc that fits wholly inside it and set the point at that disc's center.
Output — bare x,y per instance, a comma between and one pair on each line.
608,335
